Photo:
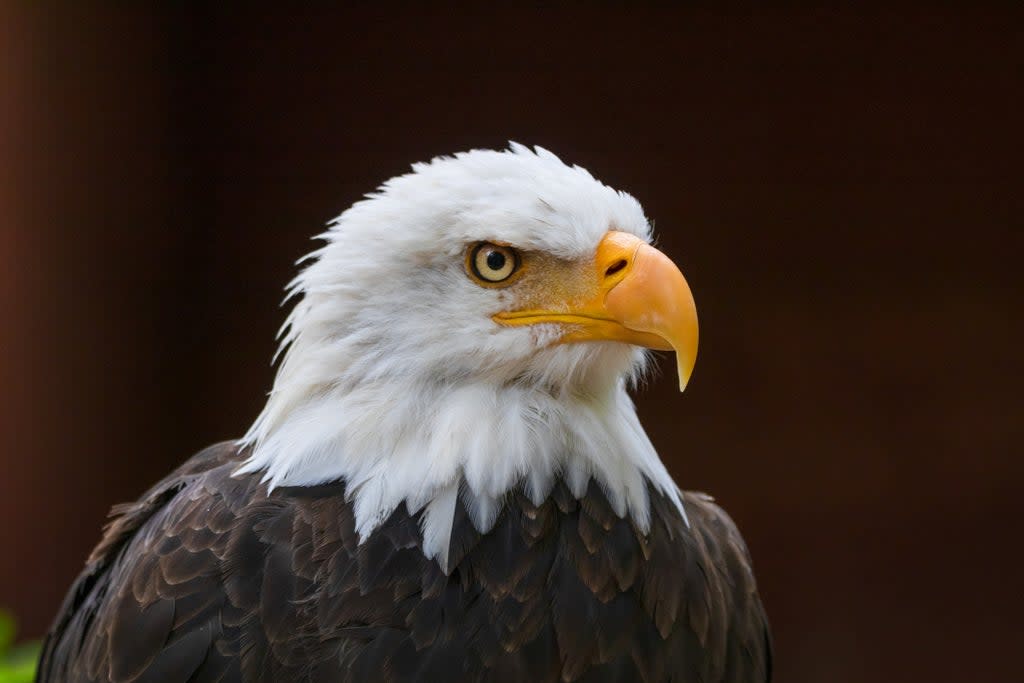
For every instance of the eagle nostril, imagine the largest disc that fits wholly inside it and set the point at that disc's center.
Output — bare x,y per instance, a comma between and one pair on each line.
615,267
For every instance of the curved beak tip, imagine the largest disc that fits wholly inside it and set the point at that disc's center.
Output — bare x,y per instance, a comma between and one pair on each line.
685,369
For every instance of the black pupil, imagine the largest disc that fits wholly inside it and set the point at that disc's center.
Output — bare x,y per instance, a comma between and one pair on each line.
495,260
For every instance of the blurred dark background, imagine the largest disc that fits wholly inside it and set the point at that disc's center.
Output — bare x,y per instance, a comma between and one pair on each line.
843,189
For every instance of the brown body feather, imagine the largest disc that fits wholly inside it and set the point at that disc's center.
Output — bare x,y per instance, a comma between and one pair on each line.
208,578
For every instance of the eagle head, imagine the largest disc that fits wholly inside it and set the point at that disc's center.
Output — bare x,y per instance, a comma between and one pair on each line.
468,329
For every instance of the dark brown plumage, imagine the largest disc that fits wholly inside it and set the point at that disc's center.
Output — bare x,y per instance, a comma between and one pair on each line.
208,578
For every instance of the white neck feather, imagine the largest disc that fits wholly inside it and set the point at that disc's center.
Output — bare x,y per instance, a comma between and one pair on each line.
423,445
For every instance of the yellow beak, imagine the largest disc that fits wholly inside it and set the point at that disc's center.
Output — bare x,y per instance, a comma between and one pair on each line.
637,296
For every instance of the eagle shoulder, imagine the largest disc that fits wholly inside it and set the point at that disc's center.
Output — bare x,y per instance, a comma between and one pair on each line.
710,605
150,578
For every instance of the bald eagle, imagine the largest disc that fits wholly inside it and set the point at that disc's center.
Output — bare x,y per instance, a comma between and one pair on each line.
448,481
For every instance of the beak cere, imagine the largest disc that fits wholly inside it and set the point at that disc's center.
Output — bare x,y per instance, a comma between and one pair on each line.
638,297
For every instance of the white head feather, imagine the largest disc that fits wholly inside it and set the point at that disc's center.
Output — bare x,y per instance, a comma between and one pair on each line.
396,379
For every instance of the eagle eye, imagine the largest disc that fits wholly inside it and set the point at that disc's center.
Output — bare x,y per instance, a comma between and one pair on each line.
491,263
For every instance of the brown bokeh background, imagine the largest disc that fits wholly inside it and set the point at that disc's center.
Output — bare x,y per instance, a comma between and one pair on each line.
842,188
